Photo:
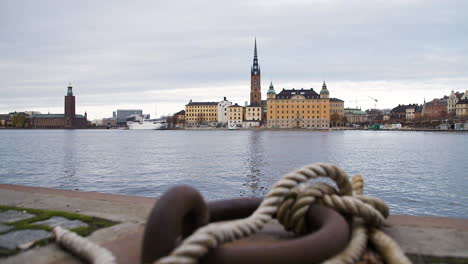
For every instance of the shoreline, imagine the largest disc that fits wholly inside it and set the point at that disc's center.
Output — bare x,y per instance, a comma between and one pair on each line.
259,129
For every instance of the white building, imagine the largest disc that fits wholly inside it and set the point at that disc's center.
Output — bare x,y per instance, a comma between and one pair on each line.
223,114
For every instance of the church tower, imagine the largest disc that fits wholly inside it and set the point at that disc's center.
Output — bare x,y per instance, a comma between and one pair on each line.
69,108
255,86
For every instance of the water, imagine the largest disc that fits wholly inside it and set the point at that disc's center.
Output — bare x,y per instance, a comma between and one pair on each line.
416,173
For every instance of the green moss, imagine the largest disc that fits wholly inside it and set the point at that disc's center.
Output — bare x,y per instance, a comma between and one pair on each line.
94,223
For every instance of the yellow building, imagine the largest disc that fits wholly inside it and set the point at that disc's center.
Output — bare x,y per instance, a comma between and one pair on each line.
300,108
461,109
235,115
201,114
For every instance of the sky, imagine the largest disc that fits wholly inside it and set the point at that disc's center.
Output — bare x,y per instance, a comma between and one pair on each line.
158,55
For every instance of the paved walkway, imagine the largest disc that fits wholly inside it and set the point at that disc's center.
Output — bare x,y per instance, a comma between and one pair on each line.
420,237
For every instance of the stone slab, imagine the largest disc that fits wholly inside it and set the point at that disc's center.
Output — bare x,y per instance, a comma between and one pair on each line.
13,239
61,221
4,228
13,216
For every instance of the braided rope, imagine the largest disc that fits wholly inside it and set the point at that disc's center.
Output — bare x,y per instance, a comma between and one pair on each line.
212,235
82,247
290,200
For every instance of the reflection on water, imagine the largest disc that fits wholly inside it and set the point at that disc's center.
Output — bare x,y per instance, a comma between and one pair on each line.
255,164
419,173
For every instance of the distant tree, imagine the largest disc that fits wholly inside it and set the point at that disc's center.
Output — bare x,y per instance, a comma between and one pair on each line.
18,121
335,119
344,119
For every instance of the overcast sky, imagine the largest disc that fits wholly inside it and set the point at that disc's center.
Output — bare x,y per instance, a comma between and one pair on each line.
157,55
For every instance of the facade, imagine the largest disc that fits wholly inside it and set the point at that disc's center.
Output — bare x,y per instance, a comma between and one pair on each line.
235,115
355,115
337,106
434,109
223,111
67,120
201,114
253,116
255,85
413,112
461,109
300,108
452,101
399,112
109,122
178,119
123,114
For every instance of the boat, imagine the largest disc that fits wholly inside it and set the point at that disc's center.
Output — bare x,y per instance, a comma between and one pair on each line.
148,124
233,126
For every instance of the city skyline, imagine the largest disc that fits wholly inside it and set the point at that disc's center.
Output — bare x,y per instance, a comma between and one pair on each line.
139,57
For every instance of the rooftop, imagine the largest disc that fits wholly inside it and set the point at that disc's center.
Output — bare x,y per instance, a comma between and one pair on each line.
202,103
308,94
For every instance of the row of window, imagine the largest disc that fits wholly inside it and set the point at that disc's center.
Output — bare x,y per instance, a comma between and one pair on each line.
199,119
300,101
301,117
201,110
292,112
202,114
308,106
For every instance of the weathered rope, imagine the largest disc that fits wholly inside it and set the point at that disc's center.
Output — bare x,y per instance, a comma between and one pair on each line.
289,199
82,247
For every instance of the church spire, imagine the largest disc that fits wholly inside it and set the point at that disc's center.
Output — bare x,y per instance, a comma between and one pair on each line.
255,70
255,49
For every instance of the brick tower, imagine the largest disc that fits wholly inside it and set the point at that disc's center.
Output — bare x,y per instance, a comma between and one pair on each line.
255,86
69,108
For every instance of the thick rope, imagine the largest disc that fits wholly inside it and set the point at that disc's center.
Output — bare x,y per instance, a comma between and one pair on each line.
290,200
212,235
82,247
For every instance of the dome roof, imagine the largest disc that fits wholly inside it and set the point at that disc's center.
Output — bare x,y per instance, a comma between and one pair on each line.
271,90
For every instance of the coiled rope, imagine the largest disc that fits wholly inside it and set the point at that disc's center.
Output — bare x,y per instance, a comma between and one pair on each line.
288,200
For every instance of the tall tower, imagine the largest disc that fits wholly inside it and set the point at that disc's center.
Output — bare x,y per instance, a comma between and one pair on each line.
69,108
255,86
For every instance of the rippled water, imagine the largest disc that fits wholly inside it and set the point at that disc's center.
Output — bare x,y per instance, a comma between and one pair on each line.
416,173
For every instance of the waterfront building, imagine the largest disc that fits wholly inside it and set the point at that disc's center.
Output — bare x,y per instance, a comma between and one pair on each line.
123,114
178,119
435,109
337,106
452,101
301,108
461,109
235,115
109,122
355,115
67,120
201,114
223,111
253,116
5,120
413,112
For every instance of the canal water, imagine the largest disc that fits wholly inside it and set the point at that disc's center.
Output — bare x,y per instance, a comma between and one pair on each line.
416,173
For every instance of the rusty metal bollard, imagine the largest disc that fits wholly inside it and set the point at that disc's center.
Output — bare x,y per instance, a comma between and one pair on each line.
181,210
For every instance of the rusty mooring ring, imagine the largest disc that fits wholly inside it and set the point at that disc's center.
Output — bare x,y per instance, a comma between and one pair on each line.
181,210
